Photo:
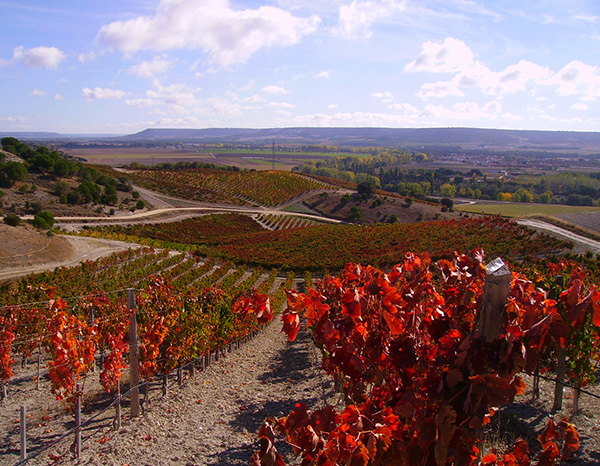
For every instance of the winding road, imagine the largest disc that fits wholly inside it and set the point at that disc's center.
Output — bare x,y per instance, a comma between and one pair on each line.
587,243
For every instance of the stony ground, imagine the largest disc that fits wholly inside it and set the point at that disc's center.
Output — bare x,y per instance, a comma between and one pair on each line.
212,419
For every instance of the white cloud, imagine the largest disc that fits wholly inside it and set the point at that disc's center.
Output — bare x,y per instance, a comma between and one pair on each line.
332,106
580,106
174,98
178,95
452,55
228,36
410,116
280,105
37,92
39,57
148,69
577,78
248,86
101,94
439,89
356,18
272,89
516,78
18,119
385,97
58,97
83,57
139,103
324,74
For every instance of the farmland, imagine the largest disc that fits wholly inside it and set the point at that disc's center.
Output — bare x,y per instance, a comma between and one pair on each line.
266,188
330,247
206,283
508,209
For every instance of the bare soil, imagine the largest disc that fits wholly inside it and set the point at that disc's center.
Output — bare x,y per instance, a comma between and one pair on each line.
331,205
588,220
25,246
39,189
26,250
212,419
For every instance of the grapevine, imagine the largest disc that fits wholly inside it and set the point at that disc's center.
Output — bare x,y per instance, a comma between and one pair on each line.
419,386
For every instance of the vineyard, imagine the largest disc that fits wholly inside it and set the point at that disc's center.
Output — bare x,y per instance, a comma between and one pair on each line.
330,247
266,188
425,349
187,309
419,382
424,363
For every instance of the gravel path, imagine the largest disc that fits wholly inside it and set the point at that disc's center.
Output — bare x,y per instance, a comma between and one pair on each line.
213,418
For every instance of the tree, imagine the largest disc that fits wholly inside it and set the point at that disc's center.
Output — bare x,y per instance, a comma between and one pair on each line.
448,190
89,191
12,219
355,213
447,202
43,220
524,195
366,189
545,197
60,188
345,199
13,172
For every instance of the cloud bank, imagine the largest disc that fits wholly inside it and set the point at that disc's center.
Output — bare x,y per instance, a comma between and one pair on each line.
227,36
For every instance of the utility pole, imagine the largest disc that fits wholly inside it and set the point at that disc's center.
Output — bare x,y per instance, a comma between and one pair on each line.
273,153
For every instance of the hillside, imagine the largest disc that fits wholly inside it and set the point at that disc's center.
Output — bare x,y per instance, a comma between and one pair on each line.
465,138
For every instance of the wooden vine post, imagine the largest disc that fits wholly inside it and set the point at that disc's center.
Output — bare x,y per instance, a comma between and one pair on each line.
496,291
495,297
78,422
559,388
133,354
23,433
561,368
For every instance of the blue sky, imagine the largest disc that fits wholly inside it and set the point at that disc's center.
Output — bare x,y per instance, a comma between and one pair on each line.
120,66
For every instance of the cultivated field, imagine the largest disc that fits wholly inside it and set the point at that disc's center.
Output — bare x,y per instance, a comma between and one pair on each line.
509,209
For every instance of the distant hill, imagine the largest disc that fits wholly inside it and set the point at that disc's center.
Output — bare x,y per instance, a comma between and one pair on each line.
41,136
463,137
31,136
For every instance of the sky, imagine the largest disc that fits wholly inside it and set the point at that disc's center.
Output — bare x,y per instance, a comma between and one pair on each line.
120,66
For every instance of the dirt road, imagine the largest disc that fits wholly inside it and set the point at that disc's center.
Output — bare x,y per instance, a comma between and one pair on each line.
581,242
82,249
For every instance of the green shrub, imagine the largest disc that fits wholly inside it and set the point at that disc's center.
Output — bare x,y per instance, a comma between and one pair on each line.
12,219
44,220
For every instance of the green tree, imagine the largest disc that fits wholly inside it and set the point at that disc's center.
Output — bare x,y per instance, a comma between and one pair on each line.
366,189
44,220
12,219
545,197
12,172
447,202
448,190
355,213
89,191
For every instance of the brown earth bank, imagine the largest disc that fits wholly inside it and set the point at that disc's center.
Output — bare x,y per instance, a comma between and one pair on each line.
377,209
25,246
588,220
26,250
